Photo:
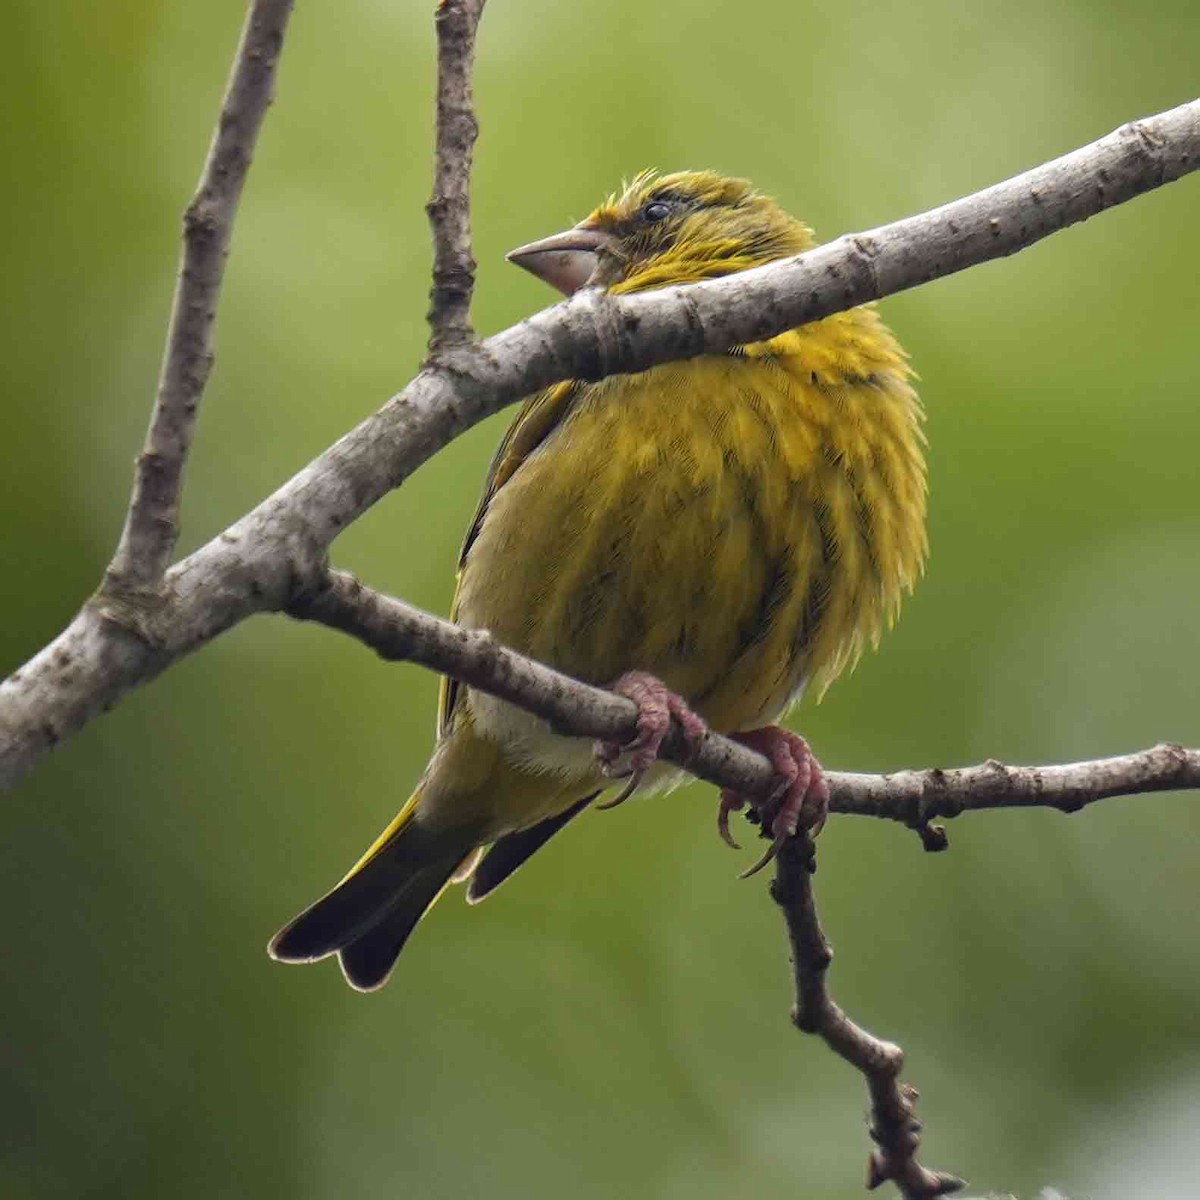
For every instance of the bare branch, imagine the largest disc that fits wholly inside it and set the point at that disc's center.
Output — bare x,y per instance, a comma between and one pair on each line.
277,551
152,524
894,1127
918,797
449,210
398,631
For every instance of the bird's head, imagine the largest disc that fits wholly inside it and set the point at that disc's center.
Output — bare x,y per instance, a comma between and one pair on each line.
665,229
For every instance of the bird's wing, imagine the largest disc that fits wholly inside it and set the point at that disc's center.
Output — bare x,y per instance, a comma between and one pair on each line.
514,849
539,415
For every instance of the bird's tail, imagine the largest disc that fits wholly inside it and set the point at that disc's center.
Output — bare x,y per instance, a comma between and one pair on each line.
368,917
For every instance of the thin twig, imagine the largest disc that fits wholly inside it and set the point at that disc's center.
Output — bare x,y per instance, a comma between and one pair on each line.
152,524
894,1127
400,632
449,210
278,550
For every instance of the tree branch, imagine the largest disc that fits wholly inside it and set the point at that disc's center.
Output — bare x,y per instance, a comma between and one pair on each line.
278,551
449,210
399,632
894,1127
152,524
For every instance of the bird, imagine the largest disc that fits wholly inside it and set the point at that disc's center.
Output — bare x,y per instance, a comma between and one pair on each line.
710,538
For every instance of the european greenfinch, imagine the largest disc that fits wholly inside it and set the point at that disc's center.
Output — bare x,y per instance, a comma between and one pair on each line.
710,537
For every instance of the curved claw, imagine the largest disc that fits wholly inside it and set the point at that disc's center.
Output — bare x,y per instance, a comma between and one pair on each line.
771,851
729,803
635,779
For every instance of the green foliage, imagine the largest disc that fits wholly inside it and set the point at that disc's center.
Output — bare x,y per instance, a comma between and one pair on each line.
615,1022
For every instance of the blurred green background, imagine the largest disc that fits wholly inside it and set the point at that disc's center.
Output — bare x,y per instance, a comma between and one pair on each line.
616,1022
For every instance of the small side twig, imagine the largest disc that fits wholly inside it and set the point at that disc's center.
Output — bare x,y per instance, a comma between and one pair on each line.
152,523
894,1126
449,209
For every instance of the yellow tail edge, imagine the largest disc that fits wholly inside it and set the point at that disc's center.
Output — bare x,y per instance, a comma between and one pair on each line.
398,823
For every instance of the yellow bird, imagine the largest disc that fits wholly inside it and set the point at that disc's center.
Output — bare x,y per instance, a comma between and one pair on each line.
709,537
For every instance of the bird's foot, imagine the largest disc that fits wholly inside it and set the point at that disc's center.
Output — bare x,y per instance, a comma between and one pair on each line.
656,705
801,799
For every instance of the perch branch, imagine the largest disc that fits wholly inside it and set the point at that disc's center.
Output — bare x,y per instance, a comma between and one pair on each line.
894,1127
278,551
449,210
152,524
400,632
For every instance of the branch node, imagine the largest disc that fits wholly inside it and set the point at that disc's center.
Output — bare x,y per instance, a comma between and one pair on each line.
866,250
1175,755
201,219
876,1171
1149,137
459,359
138,613
301,601
934,838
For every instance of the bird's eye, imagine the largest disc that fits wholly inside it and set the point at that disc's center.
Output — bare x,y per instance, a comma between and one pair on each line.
654,210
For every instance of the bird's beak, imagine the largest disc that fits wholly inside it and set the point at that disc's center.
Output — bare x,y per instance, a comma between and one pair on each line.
565,261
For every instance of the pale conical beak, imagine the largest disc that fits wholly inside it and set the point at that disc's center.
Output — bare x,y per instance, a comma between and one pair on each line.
565,261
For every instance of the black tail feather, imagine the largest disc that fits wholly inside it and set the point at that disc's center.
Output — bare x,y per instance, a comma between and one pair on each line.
368,960
511,851
405,875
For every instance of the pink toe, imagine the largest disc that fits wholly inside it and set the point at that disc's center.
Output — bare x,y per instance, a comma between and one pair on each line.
802,795
657,705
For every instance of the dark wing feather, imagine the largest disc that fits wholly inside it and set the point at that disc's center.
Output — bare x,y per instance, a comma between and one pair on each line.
538,417
512,850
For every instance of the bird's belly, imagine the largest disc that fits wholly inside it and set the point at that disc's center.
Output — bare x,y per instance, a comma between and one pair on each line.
530,743
648,549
